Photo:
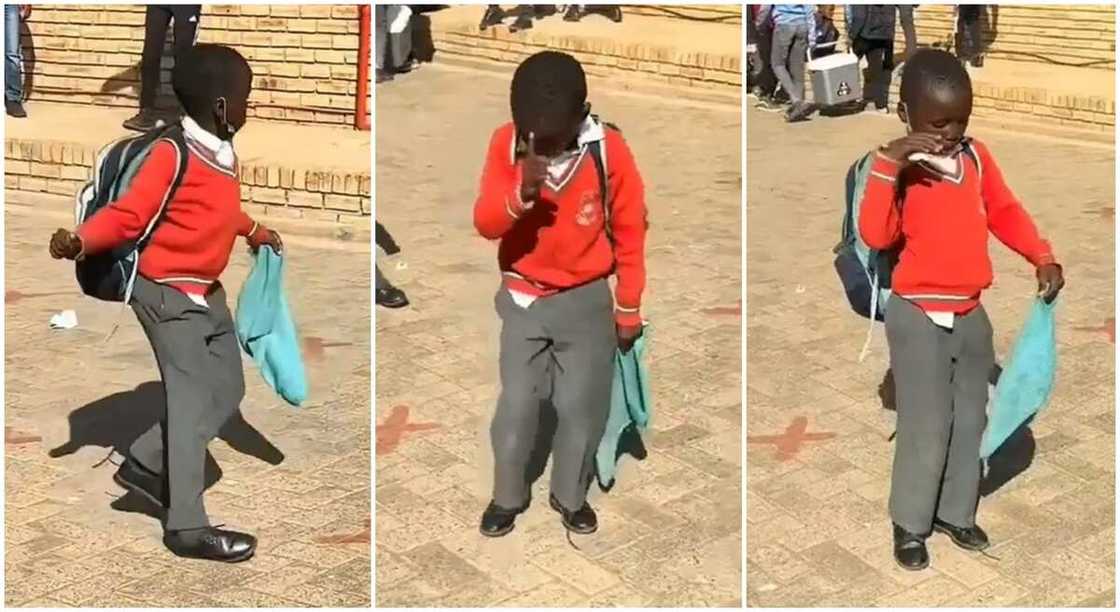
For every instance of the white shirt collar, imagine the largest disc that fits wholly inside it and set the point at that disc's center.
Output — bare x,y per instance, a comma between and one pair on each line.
195,132
221,150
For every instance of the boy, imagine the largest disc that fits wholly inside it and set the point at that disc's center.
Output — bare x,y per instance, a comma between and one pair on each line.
939,211
560,240
178,298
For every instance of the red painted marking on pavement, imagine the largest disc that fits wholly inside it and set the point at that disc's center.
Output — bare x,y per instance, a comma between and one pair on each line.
14,436
390,432
1109,327
789,443
13,296
313,347
362,537
725,310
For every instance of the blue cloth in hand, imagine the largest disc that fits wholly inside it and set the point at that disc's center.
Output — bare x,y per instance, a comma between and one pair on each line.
1026,382
265,328
630,408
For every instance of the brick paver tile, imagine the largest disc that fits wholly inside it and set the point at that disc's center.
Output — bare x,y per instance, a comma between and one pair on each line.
819,532
306,497
438,358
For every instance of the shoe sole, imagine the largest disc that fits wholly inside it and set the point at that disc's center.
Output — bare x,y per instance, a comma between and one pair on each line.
555,506
139,490
959,543
497,534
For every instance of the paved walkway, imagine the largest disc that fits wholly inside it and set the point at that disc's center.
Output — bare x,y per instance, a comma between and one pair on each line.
670,530
818,456
297,478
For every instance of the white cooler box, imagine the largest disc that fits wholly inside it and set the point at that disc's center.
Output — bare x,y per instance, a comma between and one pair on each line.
835,79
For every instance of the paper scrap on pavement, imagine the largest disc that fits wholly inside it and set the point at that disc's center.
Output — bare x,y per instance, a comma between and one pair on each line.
67,319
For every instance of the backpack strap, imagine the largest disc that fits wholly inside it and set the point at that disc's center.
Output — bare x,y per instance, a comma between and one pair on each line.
174,135
971,152
596,150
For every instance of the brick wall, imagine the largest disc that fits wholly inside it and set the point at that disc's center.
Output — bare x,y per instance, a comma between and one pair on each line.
61,168
304,57
1078,34
658,61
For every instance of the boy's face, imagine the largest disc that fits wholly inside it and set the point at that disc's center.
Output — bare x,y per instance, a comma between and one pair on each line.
943,111
553,139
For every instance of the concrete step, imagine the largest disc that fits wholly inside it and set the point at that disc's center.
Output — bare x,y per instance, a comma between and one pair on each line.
644,48
305,173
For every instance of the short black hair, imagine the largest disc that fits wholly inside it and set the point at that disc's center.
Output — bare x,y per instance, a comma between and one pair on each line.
548,89
206,72
929,70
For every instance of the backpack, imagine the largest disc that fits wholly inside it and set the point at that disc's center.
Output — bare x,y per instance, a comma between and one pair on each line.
865,273
110,276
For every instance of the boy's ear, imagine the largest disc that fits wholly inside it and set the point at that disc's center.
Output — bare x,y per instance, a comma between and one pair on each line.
902,114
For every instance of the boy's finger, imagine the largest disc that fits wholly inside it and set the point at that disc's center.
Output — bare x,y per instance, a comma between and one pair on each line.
532,144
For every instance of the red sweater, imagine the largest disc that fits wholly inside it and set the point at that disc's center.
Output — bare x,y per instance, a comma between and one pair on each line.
943,227
191,246
559,242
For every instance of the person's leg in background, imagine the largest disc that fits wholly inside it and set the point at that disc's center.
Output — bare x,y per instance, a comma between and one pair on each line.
399,56
185,26
780,48
13,63
381,42
969,35
493,16
880,57
156,20
797,58
906,21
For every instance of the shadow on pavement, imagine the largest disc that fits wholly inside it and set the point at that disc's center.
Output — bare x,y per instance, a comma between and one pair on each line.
117,420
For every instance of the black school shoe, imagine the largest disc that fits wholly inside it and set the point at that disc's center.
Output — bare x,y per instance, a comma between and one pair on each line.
211,544
391,297
144,121
135,478
582,521
498,521
910,550
968,538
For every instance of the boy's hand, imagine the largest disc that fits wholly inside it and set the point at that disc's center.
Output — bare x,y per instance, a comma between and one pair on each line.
901,149
627,335
269,237
65,245
534,169
1050,282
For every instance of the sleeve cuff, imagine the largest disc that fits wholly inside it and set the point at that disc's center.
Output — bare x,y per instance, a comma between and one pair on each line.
1045,259
628,317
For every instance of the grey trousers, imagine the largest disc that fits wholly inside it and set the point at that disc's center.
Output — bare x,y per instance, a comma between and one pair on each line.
200,362
941,387
787,58
561,349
